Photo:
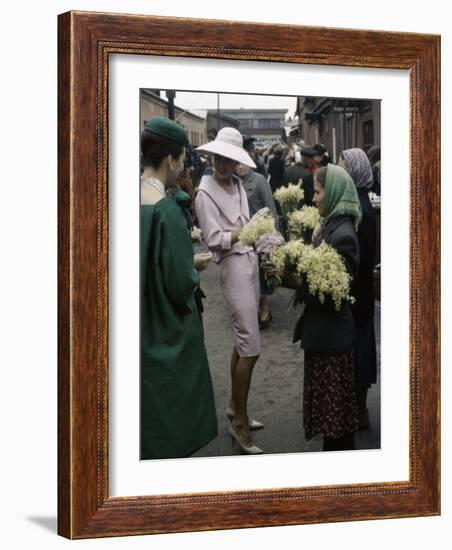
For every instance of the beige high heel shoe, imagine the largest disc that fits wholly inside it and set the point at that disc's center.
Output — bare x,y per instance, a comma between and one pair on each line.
247,450
252,423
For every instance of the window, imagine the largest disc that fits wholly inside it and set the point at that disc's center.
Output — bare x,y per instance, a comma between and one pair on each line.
246,122
269,123
368,132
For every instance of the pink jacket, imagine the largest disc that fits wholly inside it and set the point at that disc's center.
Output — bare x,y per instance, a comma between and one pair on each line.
220,209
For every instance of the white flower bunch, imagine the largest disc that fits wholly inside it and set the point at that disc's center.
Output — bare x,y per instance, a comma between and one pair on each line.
255,228
322,267
325,273
287,256
305,219
289,197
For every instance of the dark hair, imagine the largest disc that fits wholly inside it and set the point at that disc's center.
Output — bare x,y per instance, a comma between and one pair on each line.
374,154
155,148
321,175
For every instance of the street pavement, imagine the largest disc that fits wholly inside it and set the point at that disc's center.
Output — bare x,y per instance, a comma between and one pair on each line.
277,384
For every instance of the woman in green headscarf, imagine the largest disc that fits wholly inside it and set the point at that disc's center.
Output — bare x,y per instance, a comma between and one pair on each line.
327,335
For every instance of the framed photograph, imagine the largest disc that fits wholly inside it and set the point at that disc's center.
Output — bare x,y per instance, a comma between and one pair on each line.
107,64
275,131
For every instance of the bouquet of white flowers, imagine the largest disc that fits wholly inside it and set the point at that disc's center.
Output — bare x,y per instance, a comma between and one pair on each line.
289,197
256,227
303,222
326,274
322,268
286,257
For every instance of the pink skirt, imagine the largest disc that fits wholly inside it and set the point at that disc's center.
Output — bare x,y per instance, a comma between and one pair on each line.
239,281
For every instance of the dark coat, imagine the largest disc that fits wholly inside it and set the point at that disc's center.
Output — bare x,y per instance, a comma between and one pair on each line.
276,172
363,284
258,192
363,291
294,173
321,328
260,166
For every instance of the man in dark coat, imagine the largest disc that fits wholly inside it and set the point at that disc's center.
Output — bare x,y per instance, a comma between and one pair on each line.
276,169
250,148
305,170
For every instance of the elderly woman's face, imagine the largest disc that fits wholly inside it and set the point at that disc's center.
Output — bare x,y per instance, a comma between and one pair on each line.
319,193
224,168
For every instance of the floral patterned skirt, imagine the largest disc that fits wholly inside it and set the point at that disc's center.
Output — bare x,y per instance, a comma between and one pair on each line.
329,394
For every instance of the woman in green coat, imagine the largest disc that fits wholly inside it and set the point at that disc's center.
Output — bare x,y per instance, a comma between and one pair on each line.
177,404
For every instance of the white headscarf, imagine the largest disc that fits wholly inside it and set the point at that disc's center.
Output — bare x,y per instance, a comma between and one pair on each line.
358,166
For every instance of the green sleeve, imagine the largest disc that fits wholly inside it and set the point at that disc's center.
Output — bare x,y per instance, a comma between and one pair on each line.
179,276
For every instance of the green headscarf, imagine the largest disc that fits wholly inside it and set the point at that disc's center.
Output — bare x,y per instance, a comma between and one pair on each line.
341,198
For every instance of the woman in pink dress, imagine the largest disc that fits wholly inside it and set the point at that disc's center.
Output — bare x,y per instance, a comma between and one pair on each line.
222,210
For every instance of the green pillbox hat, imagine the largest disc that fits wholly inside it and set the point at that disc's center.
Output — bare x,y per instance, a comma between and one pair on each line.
166,128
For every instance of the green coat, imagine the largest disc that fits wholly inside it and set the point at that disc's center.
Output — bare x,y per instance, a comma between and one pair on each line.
177,402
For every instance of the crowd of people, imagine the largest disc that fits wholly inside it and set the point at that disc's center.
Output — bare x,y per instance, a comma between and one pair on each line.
211,194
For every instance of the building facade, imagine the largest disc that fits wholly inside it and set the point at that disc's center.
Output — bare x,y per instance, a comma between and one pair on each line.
338,123
216,120
266,125
152,104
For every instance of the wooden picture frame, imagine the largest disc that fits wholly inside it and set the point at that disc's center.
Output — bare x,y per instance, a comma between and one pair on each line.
85,42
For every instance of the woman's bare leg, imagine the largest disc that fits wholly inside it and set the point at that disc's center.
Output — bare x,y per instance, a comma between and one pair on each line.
264,308
241,380
234,360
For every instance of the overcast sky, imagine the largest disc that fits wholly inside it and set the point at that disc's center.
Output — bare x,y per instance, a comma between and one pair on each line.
205,100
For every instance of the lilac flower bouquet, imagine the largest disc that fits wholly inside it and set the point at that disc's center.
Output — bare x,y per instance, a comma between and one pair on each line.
265,246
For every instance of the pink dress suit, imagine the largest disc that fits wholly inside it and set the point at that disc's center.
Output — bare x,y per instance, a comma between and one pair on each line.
220,209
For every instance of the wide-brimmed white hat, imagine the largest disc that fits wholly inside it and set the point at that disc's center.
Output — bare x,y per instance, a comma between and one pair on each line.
229,144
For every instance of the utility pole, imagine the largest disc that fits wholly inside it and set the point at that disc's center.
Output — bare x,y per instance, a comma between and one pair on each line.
218,113
344,130
171,94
